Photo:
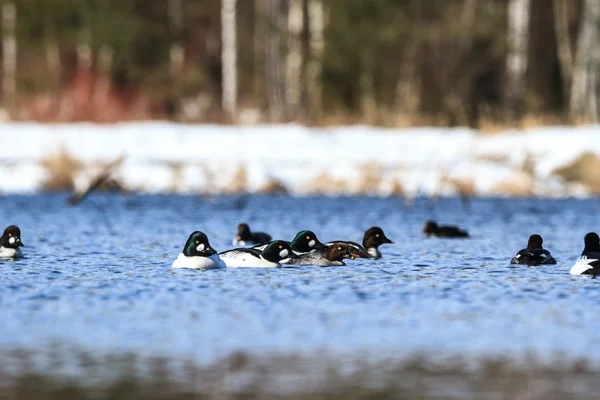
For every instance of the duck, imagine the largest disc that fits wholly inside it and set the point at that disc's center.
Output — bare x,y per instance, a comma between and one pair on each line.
372,239
304,242
270,257
534,254
589,261
10,243
431,228
324,256
198,254
245,236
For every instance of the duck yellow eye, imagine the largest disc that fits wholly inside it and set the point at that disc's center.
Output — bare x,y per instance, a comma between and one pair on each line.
339,248
197,242
377,235
308,238
280,246
10,234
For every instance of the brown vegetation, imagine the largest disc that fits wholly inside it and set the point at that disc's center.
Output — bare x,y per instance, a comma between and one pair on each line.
293,378
61,169
585,170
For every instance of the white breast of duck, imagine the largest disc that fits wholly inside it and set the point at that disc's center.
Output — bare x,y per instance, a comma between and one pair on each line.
198,254
9,253
270,257
210,262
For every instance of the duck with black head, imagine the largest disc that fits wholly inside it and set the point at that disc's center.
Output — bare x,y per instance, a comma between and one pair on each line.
198,254
303,242
431,228
372,239
589,261
333,255
534,254
270,257
245,236
10,243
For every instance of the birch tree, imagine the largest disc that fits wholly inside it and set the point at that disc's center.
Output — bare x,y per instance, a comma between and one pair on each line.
9,55
516,63
229,57
563,43
274,79
294,57
316,26
584,88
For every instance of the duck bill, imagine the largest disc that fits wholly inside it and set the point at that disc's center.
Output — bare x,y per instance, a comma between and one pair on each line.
318,245
387,240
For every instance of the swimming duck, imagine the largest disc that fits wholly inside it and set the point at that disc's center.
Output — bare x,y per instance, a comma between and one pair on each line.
10,243
303,242
433,229
270,257
197,254
372,239
534,254
325,256
589,262
245,236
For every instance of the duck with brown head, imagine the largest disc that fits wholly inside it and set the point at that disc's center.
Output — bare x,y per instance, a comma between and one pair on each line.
534,253
372,239
333,255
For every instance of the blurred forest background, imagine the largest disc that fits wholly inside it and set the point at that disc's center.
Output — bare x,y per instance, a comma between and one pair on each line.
479,63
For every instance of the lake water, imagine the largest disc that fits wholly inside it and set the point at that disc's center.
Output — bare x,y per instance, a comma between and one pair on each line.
98,278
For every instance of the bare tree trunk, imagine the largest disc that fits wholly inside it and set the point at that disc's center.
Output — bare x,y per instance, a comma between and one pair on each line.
294,57
584,87
516,64
316,26
274,79
467,20
176,52
9,57
229,57
406,94
367,91
260,35
563,42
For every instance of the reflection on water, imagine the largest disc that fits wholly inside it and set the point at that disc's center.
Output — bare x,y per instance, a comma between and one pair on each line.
97,278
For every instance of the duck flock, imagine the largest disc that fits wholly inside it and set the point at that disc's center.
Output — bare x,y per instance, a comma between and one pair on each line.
306,249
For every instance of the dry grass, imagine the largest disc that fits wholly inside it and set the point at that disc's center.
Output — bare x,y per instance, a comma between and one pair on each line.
239,181
273,187
61,169
370,178
239,376
324,183
585,170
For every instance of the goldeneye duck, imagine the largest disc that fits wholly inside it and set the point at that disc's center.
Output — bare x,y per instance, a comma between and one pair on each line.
197,254
372,239
270,257
534,254
10,243
245,236
303,242
324,256
589,262
433,229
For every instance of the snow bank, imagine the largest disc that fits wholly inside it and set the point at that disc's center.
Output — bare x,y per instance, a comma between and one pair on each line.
167,157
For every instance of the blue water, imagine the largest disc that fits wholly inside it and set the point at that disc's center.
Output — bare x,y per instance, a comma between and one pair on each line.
97,278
